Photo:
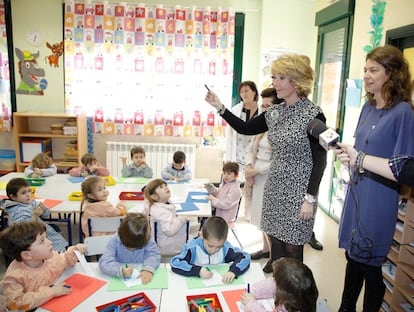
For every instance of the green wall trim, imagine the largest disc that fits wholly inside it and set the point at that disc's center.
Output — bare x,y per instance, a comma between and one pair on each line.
238,57
335,12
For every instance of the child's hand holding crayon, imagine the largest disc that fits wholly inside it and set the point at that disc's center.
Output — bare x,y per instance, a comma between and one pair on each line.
60,289
205,273
126,270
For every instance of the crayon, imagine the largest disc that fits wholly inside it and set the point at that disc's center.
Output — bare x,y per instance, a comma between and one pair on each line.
248,287
208,89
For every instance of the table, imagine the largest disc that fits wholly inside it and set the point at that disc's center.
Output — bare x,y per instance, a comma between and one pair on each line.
102,295
59,187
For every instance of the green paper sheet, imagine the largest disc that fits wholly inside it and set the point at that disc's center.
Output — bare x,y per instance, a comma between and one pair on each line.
197,282
159,280
132,180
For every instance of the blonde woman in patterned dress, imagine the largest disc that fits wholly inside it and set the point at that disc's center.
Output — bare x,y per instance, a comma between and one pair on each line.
297,162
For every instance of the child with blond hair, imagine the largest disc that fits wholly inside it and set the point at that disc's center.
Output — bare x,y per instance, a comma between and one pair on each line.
170,232
30,279
95,203
89,167
41,166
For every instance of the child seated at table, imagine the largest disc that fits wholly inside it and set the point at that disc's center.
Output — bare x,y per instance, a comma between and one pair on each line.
171,230
131,248
225,198
292,287
41,166
89,167
30,278
138,167
210,248
21,207
177,170
94,203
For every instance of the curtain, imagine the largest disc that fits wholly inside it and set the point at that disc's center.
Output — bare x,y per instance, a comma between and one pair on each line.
5,114
140,69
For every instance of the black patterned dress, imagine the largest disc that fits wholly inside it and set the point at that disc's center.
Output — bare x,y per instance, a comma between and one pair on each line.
296,168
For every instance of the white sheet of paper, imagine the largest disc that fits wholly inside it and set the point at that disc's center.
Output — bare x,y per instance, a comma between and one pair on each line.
216,279
268,304
199,197
84,264
133,280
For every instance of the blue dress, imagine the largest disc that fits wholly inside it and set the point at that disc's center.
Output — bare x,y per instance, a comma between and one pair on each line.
370,210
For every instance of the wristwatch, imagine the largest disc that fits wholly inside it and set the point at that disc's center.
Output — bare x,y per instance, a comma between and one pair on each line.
310,198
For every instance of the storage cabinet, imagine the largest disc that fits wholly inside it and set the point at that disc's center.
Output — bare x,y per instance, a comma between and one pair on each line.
398,271
42,126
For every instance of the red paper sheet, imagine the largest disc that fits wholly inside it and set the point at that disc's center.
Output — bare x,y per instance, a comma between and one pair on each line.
50,203
82,287
232,296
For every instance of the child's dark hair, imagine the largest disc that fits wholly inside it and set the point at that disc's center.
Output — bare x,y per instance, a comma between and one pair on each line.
19,236
134,230
41,161
179,157
137,150
14,185
87,187
87,159
271,93
150,189
295,286
215,227
231,166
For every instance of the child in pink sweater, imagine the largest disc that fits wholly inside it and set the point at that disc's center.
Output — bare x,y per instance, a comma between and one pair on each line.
94,203
292,287
30,279
225,199
89,167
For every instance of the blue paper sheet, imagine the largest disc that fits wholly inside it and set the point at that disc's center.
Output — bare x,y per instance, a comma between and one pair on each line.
197,200
76,179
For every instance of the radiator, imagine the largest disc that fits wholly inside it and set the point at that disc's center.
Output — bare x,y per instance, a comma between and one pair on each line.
157,156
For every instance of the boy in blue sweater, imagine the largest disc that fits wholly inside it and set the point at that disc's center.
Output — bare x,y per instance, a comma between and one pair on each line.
211,247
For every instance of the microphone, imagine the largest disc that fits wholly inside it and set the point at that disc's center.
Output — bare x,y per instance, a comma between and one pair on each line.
327,137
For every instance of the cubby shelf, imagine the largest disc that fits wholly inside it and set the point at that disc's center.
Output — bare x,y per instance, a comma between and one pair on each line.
30,125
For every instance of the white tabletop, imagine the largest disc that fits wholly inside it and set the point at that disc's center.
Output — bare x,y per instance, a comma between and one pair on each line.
102,295
59,187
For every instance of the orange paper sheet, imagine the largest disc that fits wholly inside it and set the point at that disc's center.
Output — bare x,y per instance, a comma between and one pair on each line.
232,296
50,203
82,287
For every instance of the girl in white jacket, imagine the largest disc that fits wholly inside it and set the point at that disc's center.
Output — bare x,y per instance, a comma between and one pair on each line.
168,229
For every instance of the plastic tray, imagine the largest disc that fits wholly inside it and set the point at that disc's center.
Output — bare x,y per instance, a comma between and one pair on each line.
131,196
36,181
140,299
109,180
75,196
204,300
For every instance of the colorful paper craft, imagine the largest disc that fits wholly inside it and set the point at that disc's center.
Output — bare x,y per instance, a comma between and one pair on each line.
197,282
159,280
82,287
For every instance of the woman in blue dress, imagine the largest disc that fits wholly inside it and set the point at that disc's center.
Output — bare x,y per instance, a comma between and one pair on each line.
385,128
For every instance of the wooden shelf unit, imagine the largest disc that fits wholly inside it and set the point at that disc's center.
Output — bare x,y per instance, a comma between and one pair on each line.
28,125
402,297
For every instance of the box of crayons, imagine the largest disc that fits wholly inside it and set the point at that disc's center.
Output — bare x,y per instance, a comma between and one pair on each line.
137,302
204,303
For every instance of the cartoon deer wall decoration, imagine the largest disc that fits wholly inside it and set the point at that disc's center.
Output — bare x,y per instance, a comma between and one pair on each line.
57,51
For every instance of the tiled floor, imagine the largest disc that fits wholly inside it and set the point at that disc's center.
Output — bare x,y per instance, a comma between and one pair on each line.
328,266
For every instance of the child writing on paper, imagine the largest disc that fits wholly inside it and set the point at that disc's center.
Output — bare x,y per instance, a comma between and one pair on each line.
225,198
177,170
211,247
29,280
132,246
21,207
138,167
94,203
41,166
171,232
89,167
292,287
